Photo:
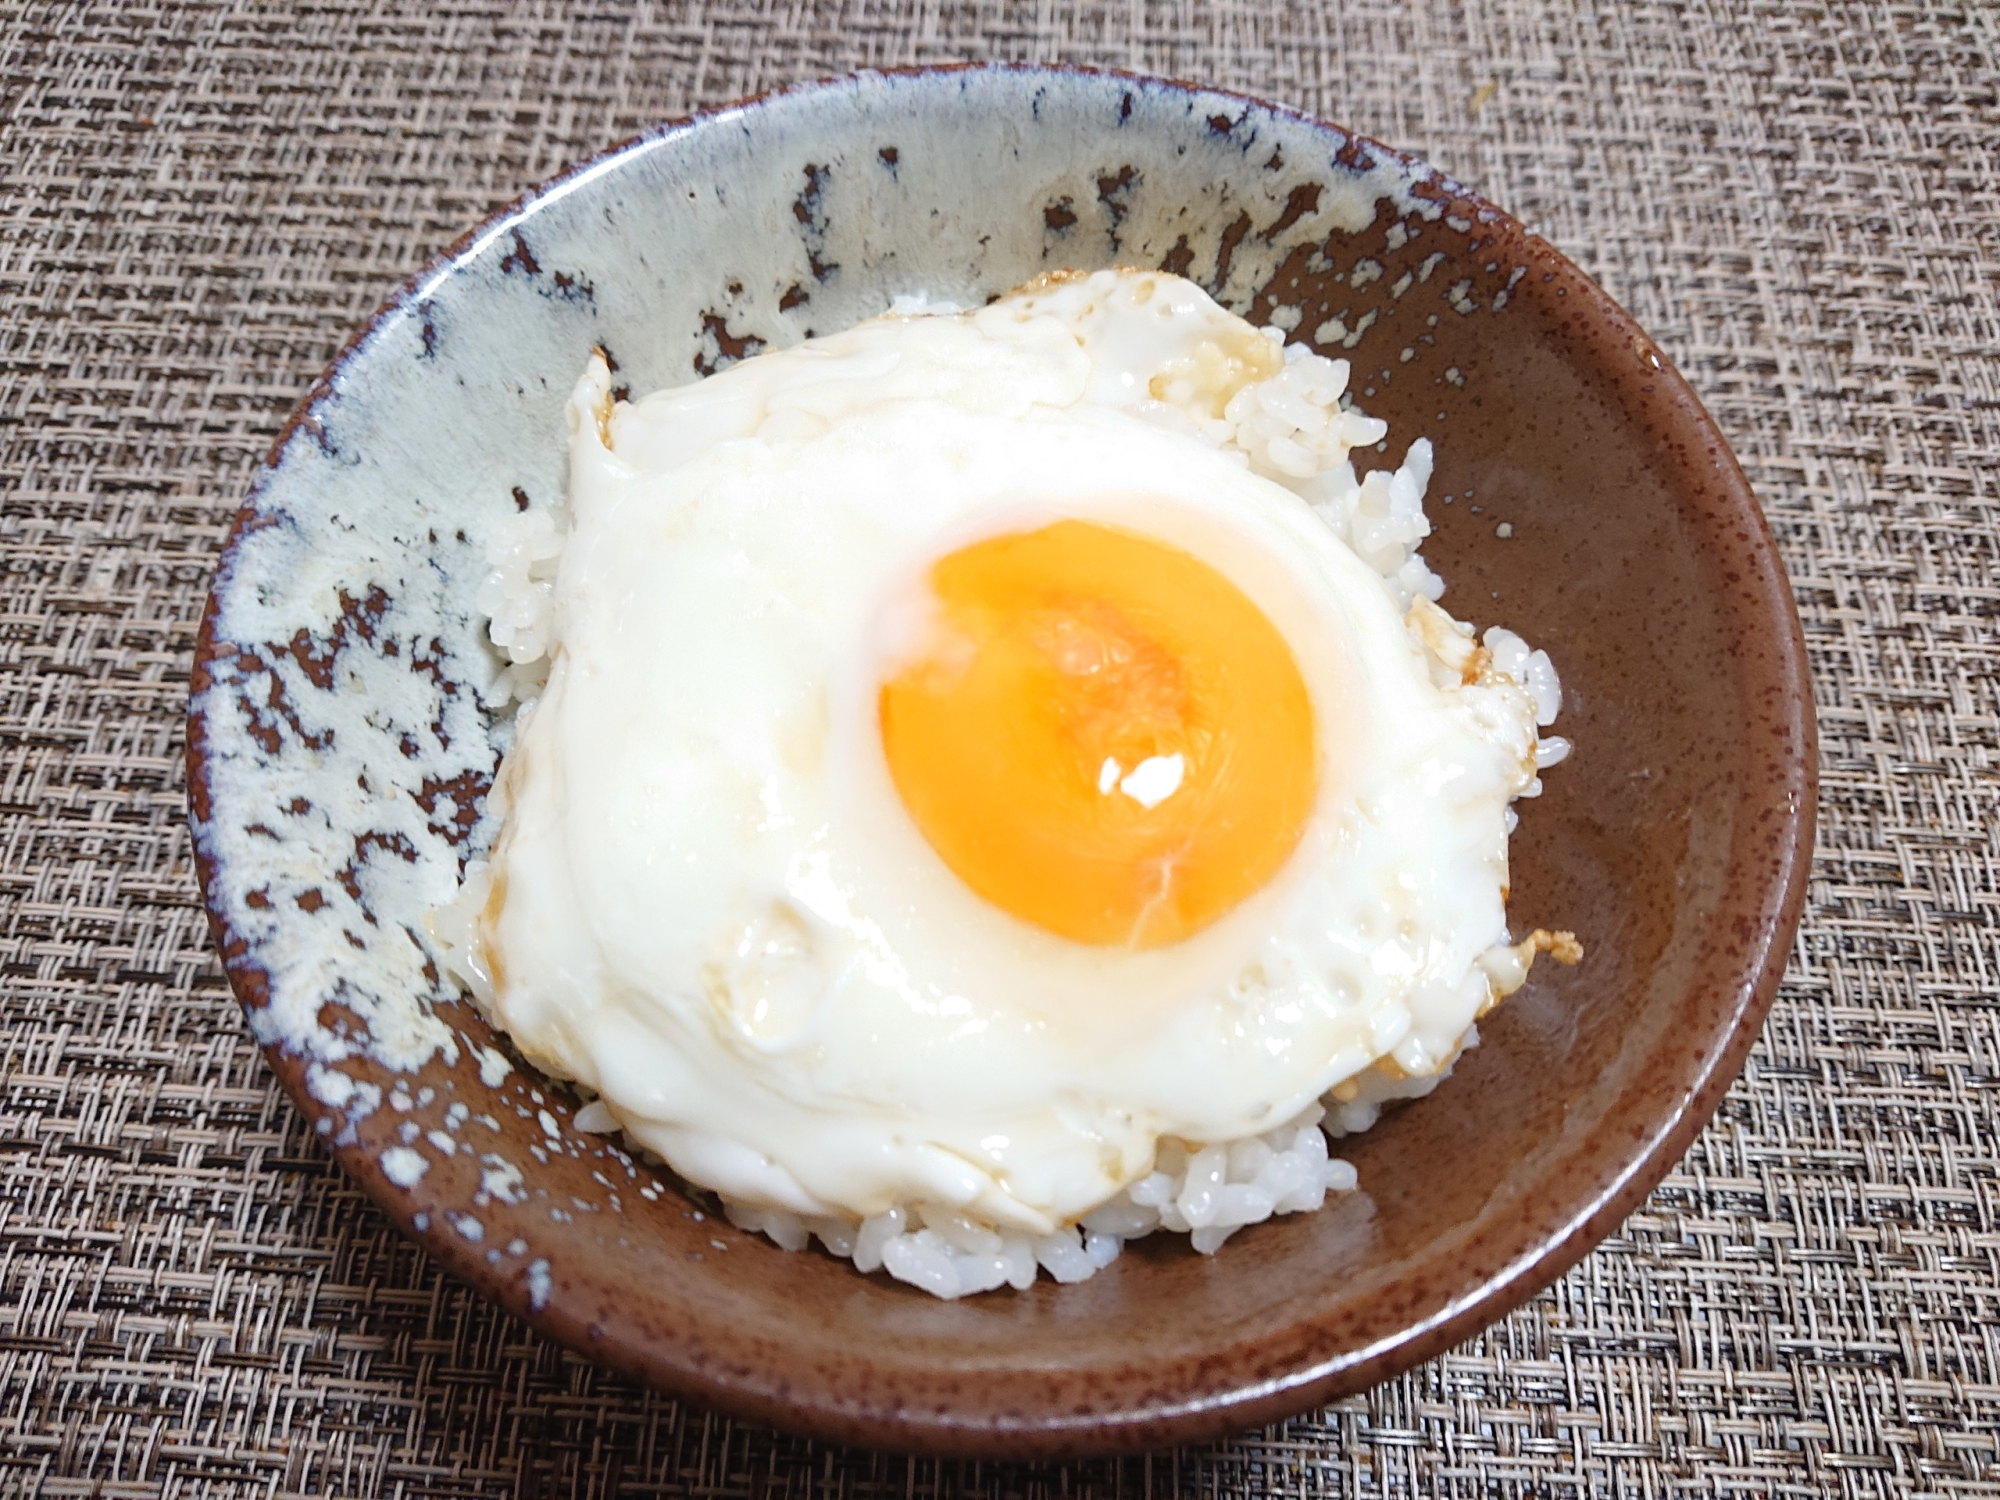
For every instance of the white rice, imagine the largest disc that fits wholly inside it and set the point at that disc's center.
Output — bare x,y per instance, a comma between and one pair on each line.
1205,1192
1295,429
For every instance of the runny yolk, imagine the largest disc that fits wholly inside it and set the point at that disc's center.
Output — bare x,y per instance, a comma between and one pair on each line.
1101,734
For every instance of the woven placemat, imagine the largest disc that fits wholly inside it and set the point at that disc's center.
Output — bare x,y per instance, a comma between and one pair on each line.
1800,200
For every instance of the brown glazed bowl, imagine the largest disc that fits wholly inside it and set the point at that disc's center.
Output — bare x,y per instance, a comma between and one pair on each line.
339,744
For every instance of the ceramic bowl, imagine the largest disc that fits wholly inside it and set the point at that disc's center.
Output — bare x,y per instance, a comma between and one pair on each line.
339,749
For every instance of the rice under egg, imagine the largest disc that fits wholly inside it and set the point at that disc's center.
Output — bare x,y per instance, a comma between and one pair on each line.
990,785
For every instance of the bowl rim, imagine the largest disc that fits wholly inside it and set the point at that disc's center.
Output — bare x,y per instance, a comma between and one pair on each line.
1250,1402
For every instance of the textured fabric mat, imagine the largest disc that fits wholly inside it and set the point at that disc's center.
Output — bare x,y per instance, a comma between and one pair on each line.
1800,200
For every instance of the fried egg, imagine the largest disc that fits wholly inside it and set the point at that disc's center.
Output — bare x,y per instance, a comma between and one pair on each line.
977,752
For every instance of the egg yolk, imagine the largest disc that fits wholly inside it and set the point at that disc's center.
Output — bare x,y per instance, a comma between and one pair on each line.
1101,734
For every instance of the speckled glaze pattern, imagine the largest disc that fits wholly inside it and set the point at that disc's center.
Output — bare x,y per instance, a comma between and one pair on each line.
339,748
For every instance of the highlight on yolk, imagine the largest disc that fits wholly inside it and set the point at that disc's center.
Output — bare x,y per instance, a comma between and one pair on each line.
1103,735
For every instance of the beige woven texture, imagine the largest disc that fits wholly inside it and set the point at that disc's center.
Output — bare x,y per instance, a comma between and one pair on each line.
197,202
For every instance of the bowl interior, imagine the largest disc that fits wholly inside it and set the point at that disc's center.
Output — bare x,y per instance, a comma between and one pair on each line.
340,750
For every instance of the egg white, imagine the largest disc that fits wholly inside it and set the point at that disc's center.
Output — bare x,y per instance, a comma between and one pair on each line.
710,904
